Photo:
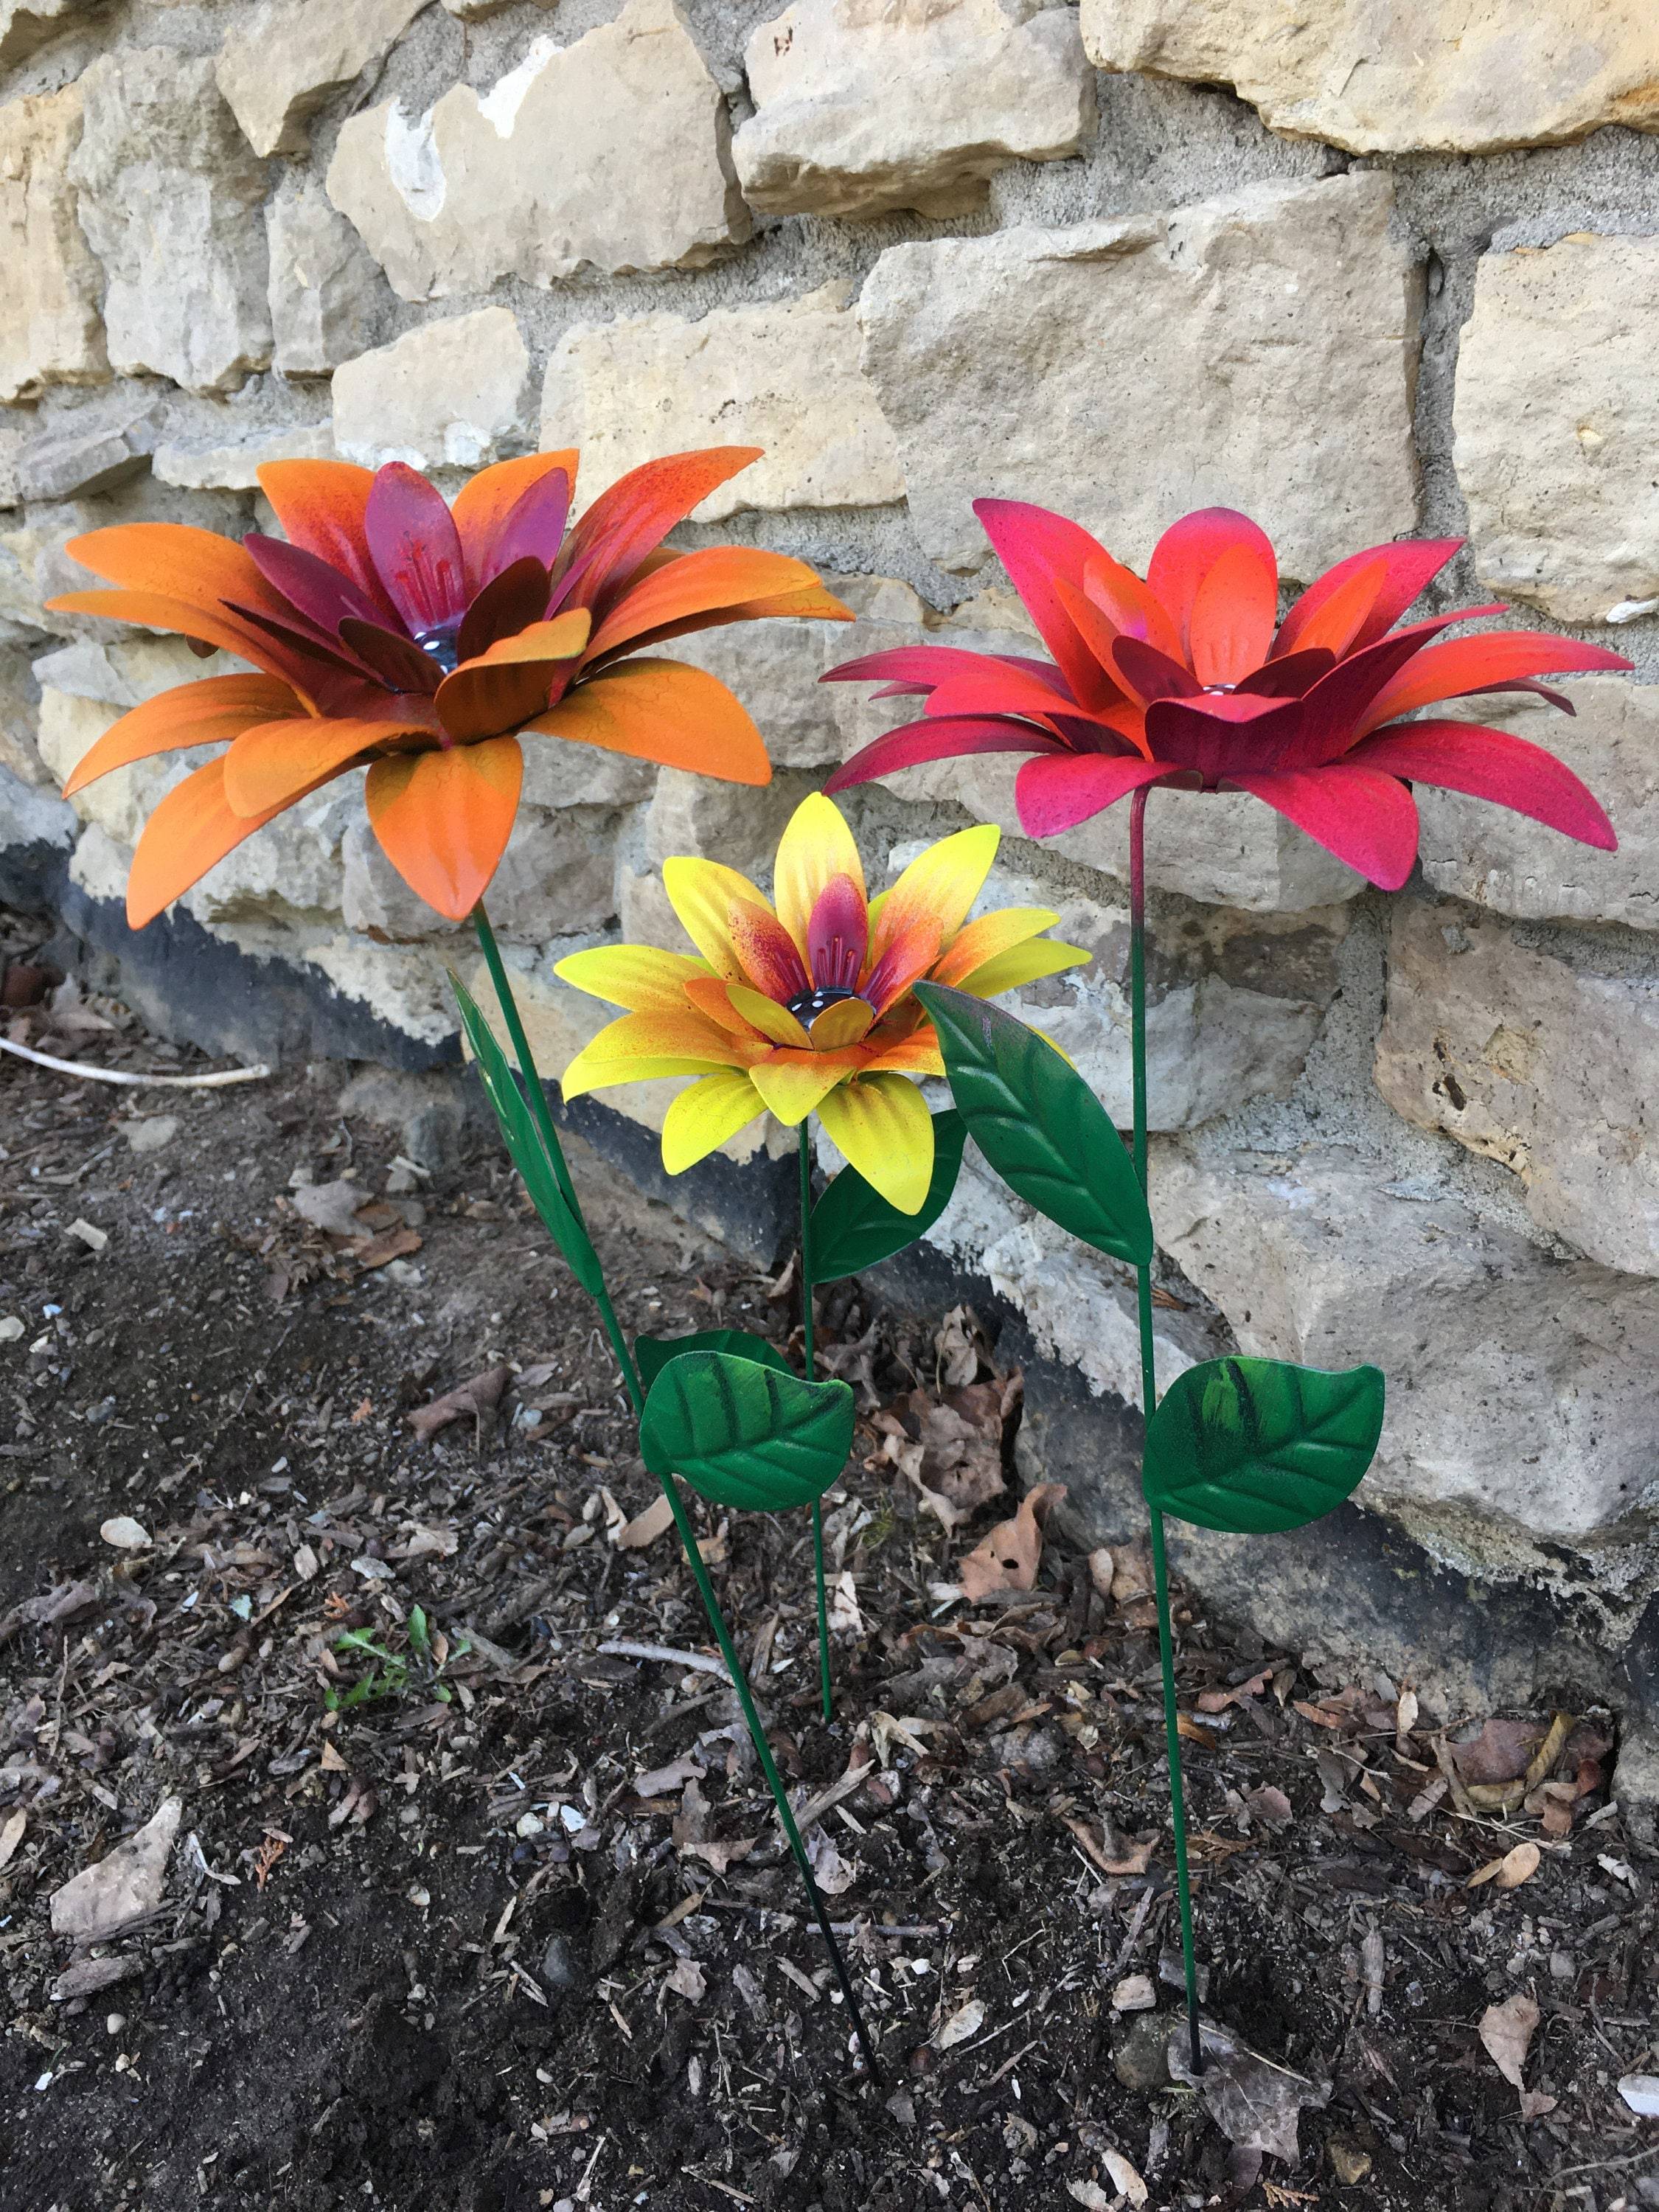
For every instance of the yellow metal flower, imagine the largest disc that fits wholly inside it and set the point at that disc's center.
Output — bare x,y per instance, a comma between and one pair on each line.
804,1004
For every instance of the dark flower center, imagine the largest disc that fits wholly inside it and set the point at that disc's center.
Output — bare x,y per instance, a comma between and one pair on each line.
442,646
807,1006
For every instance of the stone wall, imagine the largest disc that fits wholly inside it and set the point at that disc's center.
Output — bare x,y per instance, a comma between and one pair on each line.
1123,261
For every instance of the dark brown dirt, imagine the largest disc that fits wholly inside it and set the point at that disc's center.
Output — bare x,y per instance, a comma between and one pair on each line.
437,1951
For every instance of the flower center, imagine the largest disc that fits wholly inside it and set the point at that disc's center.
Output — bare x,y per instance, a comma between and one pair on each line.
807,1006
442,646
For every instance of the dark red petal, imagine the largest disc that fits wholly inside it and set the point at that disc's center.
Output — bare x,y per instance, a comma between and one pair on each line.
326,670
1491,764
837,935
1409,566
506,604
534,528
1057,793
1289,678
416,548
309,585
397,660
1365,818
1348,699
918,742
1218,731
1035,546
1150,674
922,667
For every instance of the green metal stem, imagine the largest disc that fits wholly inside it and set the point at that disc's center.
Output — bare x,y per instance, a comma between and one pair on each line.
549,1136
1148,1401
548,1130
806,1148
763,1752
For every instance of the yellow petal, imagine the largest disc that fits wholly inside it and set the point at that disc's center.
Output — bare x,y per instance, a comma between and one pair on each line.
847,1021
981,940
937,889
637,1048
918,1054
638,976
794,1083
771,1019
701,893
704,1115
585,1074
817,846
1021,964
882,1124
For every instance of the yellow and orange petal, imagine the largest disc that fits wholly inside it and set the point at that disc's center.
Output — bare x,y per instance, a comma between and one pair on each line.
937,891
706,1114
882,1124
817,846
702,894
641,977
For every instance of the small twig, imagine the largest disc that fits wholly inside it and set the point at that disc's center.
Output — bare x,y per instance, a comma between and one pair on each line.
137,1082
665,1654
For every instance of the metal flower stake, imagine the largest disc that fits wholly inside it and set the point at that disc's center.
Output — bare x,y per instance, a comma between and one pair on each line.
1187,677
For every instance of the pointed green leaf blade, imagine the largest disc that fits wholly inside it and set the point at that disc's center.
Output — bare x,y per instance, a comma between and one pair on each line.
652,1353
1250,1446
1039,1124
523,1141
854,1226
745,1435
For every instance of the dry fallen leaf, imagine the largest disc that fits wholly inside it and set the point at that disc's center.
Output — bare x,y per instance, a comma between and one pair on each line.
1270,1805
1009,1556
1511,1870
476,1400
688,1980
1101,1570
845,1618
1125,2180
123,1885
124,1533
331,1207
966,2020
645,1528
1499,1754
1254,2103
1507,2030
11,1835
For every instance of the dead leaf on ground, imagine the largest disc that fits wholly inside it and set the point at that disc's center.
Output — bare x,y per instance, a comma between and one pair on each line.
125,1884
688,1980
11,1835
660,1781
1500,1753
645,1528
393,1244
845,1618
960,1346
475,1400
1255,2104
331,1207
1506,2031
1270,1805
1510,1871
965,2021
1010,1556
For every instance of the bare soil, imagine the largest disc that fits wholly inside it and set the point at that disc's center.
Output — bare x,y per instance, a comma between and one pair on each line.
502,1920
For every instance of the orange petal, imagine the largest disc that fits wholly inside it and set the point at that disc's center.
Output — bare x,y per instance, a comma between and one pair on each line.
190,829
211,625
320,506
769,958
269,767
508,684
708,995
631,520
702,894
815,605
793,1084
178,561
696,583
209,712
663,711
443,818
916,1055
484,501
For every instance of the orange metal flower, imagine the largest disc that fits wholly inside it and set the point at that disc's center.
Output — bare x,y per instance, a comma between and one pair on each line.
423,643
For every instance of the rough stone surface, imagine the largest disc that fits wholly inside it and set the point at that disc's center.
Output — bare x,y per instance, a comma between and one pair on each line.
1452,76
1557,421
1253,351
84,688
1523,1392
450,394
94,449
861,108
1501,859
231,463
169,201
282,59
26,25
1539,1057
326,292
453,199
650,384
50,328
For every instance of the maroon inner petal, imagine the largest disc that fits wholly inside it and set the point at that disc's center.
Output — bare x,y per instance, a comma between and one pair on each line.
510,602
309,585
1290,678
837,935
533,527
1150,674
416,550
399,662
324,669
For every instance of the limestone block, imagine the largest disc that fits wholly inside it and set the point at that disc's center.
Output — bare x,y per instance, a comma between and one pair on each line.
558,772
231,462
450,394
1557,419
1451,77
169,201
1256,350
86,686
861,108
1501,859
326,292
1522,1391
1545,1059
50,328
30,814
19,715
26,25
478,11
95,448
282,59
610,154
785,376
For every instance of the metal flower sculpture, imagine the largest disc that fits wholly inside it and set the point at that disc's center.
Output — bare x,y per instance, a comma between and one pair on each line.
807,1006
1188,678
425,643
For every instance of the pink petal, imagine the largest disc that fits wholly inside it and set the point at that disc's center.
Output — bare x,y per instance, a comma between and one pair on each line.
1481,664
837,935
767,951
1218,731
533,528
1189,549
416,548
313,589
1150,674
1365,818
1491,764
1035,546
398,661
1056,794
919,742
1408,567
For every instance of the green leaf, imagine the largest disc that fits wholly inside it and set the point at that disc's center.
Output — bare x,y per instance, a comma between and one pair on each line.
1253,1445
652,1353
853,1224
745,1434
523,1141
1039,1124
